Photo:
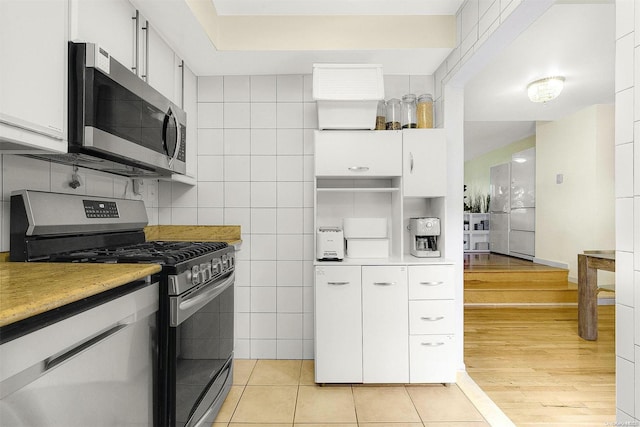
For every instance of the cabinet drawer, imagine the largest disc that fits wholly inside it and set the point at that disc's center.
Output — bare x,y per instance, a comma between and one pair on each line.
431,317
431,359
356,154
431,282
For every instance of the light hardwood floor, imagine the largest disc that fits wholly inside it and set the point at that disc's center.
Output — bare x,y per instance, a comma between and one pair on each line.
534,366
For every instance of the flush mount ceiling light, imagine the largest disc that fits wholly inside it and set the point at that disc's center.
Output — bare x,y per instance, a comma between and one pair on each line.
546,89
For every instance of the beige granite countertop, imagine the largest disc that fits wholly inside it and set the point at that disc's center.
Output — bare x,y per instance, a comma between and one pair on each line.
195,233
31,288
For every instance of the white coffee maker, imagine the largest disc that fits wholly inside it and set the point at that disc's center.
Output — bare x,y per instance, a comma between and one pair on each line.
424,237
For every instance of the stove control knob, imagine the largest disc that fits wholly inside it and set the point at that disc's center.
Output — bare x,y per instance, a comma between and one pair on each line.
216,266
195,274
205,272
225,262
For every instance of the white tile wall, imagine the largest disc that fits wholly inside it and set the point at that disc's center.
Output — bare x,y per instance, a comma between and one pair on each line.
627,213
255,169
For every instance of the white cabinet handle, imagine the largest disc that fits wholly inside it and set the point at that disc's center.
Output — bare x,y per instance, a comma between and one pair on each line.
432,344
432,319
410,162
337,283
431,283
359,168
384,283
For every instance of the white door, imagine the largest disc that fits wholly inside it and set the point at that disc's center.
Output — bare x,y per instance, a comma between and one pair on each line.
338,325
385,345
424,164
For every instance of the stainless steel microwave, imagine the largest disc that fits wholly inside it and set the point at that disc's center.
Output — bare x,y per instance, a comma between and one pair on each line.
117,122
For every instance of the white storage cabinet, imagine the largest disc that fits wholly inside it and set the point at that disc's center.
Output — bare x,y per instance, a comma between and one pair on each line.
33,75
358,153
424,169
338,325
476,232
385,348
431,324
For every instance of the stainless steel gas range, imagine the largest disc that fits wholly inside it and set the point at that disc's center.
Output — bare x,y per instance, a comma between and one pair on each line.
194,337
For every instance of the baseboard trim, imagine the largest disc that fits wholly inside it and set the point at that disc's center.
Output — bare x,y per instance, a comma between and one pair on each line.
483,403
550,263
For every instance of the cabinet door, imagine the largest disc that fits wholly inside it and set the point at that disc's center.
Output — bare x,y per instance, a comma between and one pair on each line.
338,325
432,358
160,69
431,282
385,348
33,72
191,108
424,170
358,154
108,23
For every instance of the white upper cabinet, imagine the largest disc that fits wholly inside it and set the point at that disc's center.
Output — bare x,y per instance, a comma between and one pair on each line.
358,153
190,106
160,64
33,70
109,23
424,162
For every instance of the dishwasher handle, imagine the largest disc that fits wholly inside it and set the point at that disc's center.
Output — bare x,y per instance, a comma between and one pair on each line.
54,361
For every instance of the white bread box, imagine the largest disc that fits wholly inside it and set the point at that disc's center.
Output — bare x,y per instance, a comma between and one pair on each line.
347,95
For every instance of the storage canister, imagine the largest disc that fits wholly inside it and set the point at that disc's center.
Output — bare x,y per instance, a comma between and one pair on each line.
381,115
393,114
425,111
409,111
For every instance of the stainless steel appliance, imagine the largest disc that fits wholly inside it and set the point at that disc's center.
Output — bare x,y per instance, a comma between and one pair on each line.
196,305
85,364
499,208
117,122
424,233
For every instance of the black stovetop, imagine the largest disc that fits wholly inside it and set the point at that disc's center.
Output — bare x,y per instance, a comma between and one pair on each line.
162,252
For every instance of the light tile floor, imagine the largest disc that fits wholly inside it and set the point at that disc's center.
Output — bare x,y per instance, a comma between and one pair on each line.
276,393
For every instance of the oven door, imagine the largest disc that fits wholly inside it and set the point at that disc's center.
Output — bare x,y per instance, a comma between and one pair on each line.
200,352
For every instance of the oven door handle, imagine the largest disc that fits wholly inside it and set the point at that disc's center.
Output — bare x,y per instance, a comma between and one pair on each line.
182,309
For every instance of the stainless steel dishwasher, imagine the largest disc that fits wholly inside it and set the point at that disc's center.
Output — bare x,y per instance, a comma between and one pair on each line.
93,368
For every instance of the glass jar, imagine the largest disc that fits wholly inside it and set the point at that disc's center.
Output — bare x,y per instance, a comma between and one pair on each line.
409,111
381,115
425,111
393,114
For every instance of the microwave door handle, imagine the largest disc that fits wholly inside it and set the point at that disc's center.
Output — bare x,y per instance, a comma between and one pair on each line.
178,142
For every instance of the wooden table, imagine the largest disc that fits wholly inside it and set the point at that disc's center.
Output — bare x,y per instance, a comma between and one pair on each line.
588,265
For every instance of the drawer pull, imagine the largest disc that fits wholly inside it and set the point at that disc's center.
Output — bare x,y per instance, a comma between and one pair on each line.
432,283
432,319
338,283
384,283
432,344
359,168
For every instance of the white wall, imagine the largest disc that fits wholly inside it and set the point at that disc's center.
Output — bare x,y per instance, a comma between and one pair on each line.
578,214
627,192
